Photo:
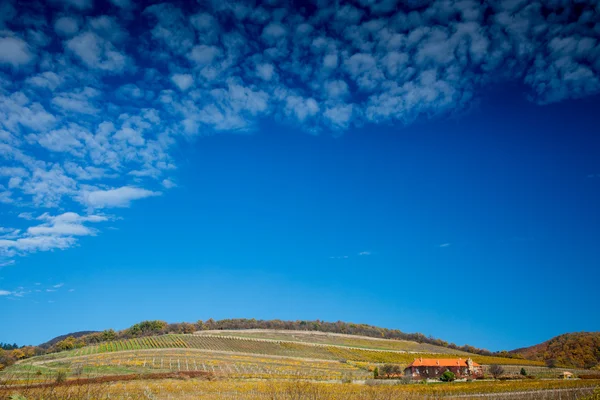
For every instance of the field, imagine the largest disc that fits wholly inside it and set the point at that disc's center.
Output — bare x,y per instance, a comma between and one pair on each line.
257,364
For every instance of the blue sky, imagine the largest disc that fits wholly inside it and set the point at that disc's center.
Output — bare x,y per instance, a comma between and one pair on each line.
432,169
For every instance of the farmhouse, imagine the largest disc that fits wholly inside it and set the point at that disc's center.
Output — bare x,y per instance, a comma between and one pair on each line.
422,368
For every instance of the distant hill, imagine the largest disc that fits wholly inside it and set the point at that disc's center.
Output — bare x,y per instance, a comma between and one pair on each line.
578,350
57,339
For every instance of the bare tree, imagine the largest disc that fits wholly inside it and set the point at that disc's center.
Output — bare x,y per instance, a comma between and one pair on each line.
496,370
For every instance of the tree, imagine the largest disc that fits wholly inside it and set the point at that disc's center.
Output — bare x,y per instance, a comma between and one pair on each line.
6,359
17,354
447,376
496,370
523,372
551,363
109,334
390,369
69,343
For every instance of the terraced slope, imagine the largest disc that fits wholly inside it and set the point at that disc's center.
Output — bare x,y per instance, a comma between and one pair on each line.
231,365
324,338
266,347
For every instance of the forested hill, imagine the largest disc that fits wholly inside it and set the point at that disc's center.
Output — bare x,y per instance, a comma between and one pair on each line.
580,350
57,339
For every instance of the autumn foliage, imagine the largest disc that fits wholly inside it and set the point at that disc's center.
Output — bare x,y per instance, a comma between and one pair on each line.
575,350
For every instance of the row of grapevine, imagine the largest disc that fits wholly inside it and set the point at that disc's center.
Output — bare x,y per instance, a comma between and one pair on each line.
224,364
269,347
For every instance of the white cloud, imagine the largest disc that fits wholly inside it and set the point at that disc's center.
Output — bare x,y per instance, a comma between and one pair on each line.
5,293
15,52
120,197
265,71
203,54
168,184
182,81
301,108
365,253
17,112
274,31
336,89
7,263
48,80
97,53
13,171
66,26
26,215
35,243
79,101
445,245
55,232
339,115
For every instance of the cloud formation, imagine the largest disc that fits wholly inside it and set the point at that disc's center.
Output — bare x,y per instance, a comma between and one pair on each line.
51,232
95,95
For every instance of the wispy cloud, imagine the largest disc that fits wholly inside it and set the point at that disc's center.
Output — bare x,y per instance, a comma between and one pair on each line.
50,232
445,244
35,292
120,197
365,253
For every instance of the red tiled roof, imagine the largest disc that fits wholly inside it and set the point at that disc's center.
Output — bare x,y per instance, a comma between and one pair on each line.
442,362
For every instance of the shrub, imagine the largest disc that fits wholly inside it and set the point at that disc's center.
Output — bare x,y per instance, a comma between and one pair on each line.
61,376
447,376
523,372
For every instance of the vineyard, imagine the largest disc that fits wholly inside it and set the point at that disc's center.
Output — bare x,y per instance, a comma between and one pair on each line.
221,364
267,347
269,367
315,337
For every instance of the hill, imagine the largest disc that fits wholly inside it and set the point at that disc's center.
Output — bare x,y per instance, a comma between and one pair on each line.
274,356
250,354
57,339
577,350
